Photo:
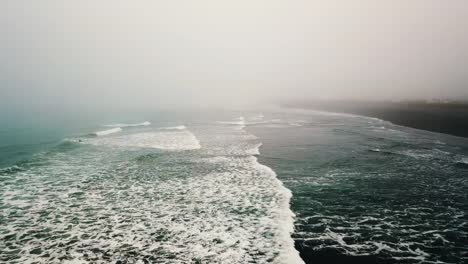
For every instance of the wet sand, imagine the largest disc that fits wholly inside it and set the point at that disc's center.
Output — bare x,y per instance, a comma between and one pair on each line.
448,118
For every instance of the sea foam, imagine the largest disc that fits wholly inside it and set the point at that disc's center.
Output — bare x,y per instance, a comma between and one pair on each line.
214,205
285,220
182,127
107,132
168,140
255,187
146,123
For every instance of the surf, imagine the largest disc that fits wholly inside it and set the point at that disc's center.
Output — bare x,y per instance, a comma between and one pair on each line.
146,123
107,132
158,139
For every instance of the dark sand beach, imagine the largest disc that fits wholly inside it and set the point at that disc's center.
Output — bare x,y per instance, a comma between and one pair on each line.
442,117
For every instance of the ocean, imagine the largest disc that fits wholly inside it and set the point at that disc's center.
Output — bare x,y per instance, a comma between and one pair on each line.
284,186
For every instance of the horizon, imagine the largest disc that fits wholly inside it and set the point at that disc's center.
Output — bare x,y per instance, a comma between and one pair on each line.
242,54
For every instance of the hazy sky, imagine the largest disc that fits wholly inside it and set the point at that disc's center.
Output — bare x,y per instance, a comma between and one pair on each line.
215,52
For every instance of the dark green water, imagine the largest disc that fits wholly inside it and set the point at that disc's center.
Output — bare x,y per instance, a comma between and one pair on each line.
367,191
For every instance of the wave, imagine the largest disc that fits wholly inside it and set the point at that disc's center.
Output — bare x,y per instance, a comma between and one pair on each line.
240,123
146,123
255,150
285,216
167,140
235,210
107,132
464,160
255,118
295,124
288,253
254,192
9,170
182,127
231,209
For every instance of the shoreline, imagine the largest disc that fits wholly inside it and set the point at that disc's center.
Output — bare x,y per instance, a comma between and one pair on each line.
451,119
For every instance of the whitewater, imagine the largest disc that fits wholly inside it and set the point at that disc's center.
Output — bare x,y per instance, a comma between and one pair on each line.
175,194
275,187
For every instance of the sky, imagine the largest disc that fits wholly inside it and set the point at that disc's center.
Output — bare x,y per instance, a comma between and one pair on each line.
114,53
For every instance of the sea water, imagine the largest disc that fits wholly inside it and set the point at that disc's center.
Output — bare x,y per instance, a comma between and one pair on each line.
252,187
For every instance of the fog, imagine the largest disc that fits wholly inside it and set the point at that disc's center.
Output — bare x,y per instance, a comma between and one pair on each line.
229,53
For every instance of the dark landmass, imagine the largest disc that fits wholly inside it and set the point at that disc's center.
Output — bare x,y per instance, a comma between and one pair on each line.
442,117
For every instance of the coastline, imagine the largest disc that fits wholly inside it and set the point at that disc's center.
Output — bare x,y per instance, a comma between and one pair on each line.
449,119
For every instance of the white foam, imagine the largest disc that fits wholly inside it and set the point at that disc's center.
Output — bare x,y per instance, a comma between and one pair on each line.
285,220
295,124
182,127
217,159
255,150
230,209
168,140
417,154
232,122
239,123
108,131
255,118
283,217
146,123
11,169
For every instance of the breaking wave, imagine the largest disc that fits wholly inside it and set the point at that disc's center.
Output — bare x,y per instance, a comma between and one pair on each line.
175,128
239,123
285,220
107,132
146,123
167,140
9,170
216,204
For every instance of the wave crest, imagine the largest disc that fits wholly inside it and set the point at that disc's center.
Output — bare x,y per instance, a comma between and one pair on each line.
182,127
167,140
107,132
146,123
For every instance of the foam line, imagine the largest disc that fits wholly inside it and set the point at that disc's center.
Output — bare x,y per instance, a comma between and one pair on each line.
108,131
146,123
168,140
182,127
288,253
283,215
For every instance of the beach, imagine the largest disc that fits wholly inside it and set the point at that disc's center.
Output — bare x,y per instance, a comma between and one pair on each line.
448,118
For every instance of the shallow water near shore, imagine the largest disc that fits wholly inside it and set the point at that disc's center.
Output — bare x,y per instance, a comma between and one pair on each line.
271,187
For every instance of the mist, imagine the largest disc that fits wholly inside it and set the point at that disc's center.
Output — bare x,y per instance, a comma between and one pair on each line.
128,54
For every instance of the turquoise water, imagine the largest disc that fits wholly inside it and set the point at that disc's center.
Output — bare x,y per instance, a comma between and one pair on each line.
271,187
